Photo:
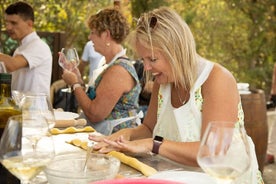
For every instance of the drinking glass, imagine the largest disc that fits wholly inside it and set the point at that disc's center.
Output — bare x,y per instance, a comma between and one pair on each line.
2,67
17,96
68,58
224,151
38,104
17,152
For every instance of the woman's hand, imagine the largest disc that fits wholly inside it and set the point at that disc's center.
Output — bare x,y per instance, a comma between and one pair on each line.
100,139
137,147
70,77
110,143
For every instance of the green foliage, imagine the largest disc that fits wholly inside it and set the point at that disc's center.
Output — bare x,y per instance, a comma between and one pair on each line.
261,16
67,16
239,34
140,6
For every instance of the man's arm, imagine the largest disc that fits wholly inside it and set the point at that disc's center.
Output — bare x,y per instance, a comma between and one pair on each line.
13,63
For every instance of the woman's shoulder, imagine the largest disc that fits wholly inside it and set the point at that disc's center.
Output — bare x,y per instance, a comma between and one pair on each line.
119,69
128,65
220,78
220,72
124,61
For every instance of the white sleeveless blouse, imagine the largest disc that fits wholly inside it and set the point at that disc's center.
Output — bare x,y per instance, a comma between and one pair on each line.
181,124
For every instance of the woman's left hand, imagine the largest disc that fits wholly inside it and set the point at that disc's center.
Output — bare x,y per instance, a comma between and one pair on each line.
70,77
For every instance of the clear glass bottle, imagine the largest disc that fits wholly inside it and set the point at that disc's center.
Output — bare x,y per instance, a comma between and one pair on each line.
8,106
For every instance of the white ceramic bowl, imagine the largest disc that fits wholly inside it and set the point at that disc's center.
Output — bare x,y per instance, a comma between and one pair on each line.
243,86
68,168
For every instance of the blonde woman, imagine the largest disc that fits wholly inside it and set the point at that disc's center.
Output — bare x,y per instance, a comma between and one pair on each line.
189,92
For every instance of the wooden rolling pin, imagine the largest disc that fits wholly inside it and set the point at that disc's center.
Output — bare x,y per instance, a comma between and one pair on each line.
70,122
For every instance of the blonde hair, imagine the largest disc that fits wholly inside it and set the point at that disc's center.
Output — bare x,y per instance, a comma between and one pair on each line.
171,36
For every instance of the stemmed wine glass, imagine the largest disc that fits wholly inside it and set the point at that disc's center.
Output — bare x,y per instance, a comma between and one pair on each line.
38,104
224,151
17,152
68,58
34,129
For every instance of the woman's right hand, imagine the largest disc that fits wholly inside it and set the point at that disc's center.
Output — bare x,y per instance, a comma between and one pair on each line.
102,145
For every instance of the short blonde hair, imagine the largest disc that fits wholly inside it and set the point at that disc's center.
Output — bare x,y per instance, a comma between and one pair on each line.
110,19
169,34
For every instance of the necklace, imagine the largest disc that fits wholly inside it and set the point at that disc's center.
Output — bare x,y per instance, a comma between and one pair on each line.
184,101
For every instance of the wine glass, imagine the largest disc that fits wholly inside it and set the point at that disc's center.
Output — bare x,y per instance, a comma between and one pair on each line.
224,151
38,104
68,58
17,96
34,129
17,153
35,105
2,67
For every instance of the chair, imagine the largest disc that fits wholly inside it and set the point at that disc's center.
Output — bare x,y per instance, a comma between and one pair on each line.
57,85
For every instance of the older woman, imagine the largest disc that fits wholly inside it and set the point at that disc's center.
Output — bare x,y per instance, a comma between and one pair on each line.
116,90
188,93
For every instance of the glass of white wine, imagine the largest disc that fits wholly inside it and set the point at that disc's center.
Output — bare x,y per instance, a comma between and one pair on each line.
17,153
224,151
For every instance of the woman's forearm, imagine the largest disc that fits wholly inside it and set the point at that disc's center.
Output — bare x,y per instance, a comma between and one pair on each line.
181,152
140,132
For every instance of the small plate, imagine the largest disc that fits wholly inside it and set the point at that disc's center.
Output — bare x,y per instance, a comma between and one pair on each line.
61,115
187,177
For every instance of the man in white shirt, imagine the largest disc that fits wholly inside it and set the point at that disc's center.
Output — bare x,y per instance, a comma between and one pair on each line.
91,57
31,63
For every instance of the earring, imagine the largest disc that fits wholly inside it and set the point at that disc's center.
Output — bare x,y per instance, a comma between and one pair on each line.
107,44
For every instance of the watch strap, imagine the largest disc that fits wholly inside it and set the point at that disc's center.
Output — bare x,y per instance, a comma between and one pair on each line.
157,141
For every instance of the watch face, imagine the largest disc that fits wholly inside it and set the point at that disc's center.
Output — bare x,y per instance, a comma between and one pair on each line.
158,138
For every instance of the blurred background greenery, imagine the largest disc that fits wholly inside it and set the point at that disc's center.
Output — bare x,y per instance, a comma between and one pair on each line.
239,34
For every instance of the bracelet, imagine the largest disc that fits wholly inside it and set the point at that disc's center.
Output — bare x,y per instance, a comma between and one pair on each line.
76,85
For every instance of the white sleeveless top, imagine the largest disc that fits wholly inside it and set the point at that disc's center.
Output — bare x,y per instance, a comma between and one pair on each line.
181,124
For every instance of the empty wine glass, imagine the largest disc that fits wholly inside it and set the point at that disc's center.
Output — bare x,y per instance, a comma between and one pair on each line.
17,153
34,129
38,104
224,151
68,58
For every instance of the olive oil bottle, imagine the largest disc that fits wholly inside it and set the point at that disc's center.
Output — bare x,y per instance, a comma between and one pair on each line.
8,106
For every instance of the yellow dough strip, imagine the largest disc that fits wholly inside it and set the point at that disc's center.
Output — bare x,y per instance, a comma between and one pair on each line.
71,130
127,160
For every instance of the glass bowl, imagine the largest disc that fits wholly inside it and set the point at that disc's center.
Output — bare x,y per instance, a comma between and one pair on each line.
69,168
